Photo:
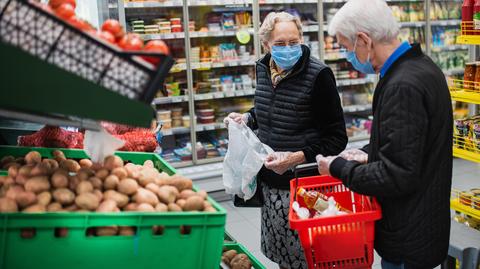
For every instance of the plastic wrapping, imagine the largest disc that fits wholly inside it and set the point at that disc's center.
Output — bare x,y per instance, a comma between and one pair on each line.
100,144
244,159
277,162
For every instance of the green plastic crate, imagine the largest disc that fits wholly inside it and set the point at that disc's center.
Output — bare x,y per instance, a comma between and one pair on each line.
201,248
241,249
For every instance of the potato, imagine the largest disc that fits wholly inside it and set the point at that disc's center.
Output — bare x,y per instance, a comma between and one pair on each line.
209,209
112,162
203,194
128,186
132,170
149,164
73,182
63,196
102,173
59,179
181,183
36,208
145,196
85,163
8,181
161,207
58,155
106,231
13,170
85,173
146,176
185,194
23,174
120,172
54,207
53,163
107,206
83,187
99,194
174,207
194,203
240,261
41,169
6,160
181,202
152,187
33,157
13,191
37,184
120,198
229,255
111,182
88,201
96,167
166,195
96,183
126,231
8,205
144,207
71,208
131,207
70,165
25,199
206,204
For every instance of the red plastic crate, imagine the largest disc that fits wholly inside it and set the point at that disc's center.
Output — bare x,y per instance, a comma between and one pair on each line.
344,241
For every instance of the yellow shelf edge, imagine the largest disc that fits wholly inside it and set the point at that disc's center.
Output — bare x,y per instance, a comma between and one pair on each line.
469,39
467,210
466,155
465,97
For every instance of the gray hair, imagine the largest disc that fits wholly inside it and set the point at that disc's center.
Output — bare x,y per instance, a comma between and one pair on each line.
272,18
372,17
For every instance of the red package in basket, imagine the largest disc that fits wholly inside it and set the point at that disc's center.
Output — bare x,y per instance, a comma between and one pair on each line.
142,141
118,129
54,137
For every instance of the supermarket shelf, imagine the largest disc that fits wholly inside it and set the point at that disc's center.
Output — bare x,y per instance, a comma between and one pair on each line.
450,48
469,39
181,164
357,108
310,28
200,128
263,2
209,65
466,154
464,91
357,81
203,96
454,22
453,72
465,209
179,3
8,124
358,138
210,160
221,33
466,97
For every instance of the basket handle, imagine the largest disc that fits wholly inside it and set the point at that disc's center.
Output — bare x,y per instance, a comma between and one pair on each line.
302,168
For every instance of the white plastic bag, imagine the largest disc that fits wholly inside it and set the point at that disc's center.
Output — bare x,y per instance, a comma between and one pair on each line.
244,158
101,144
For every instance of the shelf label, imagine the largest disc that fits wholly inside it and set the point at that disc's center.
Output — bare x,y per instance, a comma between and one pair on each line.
209,127
218,95
229,94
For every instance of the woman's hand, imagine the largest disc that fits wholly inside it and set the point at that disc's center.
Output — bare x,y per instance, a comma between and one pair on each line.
280,162
324,164
354,155
236,117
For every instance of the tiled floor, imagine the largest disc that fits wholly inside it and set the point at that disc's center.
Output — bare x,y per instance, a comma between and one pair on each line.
244,223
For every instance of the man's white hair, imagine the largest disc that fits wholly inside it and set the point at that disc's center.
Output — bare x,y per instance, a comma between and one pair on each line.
272,18
372,17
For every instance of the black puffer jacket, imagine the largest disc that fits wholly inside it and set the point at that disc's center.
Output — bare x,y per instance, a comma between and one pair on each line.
410,162
302,113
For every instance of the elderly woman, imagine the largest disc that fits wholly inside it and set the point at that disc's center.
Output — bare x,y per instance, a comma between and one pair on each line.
297,113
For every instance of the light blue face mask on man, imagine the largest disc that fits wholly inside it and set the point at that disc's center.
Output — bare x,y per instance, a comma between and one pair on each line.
366,68
286,57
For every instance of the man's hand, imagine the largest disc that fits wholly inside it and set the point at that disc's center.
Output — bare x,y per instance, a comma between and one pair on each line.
354,155
324,164
236,117
280,162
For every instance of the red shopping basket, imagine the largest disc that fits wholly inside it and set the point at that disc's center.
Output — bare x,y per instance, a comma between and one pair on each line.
344,241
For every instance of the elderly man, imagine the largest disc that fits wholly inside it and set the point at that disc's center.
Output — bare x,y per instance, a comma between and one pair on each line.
409,163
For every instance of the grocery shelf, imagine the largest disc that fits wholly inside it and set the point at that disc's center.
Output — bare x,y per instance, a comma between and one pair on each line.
358,138
199,128
465,204
453,72
211,160
203,96
357,108
465,91
357,81
8,124
181,164
468,36
310,28
452,22
181,35
209,65
179,3
466,148
450,48
261,2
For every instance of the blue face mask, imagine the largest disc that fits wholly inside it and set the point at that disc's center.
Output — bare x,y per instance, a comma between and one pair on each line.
366,68
286,57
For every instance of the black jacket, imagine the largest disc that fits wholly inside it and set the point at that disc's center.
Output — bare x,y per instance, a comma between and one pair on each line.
302,113
409,169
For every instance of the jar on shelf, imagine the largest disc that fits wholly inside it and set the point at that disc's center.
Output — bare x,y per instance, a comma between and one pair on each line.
469,75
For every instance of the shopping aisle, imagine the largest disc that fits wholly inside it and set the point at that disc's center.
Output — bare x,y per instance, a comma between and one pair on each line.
244,223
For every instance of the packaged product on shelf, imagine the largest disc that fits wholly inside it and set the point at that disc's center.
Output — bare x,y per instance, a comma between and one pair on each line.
164,115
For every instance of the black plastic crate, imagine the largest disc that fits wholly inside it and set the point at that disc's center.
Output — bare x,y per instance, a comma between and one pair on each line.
34,30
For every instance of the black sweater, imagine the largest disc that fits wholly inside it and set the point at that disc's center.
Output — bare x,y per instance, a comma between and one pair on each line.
409,169
303,113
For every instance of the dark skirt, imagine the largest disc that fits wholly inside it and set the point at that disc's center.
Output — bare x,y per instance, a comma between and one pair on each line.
279,243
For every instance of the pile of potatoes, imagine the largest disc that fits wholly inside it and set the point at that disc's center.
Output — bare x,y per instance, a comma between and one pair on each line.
236,260
36,185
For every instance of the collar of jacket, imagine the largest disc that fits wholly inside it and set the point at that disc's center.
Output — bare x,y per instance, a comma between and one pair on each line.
297,68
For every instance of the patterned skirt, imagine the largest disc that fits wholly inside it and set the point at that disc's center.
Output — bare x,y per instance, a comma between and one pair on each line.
279,243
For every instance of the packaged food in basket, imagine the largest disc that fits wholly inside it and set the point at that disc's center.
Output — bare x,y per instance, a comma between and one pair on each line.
52,136
319,202
35,185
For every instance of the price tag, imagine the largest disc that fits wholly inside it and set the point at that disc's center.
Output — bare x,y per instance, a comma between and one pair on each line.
177,99
218,95
217,65
202,34
209,127
169,36
205,65
229,94
195,65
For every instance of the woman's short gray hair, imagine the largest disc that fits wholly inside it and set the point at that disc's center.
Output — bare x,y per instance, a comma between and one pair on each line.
372,17
272,18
